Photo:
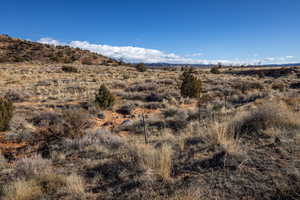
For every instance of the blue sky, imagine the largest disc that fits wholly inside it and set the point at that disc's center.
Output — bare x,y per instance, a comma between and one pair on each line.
192,31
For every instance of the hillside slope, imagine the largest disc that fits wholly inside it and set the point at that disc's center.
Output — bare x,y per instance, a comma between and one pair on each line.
18,50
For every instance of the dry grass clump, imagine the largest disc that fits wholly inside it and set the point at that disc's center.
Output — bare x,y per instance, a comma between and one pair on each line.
278,86
23,190
96,138
15,96
43,185
245,86
265,116
142,87
177,120
69,123
248,97
219,133
157,159
51,183
170,112
154,105
194,193
2,163
36,178
75,185
46,119
33,166
165,169
75,122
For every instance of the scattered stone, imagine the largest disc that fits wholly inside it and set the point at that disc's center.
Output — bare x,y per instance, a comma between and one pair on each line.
295,85
127,123
101,115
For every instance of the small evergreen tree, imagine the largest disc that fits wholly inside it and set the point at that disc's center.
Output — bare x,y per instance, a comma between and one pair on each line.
141,67
190,86
104,99
215,70
6,113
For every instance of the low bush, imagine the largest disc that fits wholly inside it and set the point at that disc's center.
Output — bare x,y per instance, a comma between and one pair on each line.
14,96
153,97
46,119
74,122
6,113
245,86
265,116
170,112
69,69
278,86
154,105
32,166
126,109
142,87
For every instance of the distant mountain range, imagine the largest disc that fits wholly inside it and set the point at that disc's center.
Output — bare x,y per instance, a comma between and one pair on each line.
211,65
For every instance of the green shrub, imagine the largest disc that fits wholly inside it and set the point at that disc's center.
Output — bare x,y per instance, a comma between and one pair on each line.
190,86
6,113
141,67
104,99
215,70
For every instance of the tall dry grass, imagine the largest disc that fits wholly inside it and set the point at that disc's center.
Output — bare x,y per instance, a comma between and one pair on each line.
157,159
75,185
268,115
23,190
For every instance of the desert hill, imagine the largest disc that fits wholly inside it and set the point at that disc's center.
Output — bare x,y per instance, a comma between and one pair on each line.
18,50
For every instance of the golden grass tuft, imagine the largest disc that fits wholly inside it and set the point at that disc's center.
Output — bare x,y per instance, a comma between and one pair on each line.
23,190
165,158
157,159
265,116
75,185
224,138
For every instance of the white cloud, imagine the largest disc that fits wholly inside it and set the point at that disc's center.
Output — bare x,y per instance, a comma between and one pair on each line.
194,55
49,41
278,60
138,54
269,59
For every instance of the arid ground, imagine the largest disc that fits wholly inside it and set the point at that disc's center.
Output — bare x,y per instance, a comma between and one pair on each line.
239,140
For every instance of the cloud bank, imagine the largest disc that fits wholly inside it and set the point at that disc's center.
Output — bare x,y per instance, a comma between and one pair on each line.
49,41
138,54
